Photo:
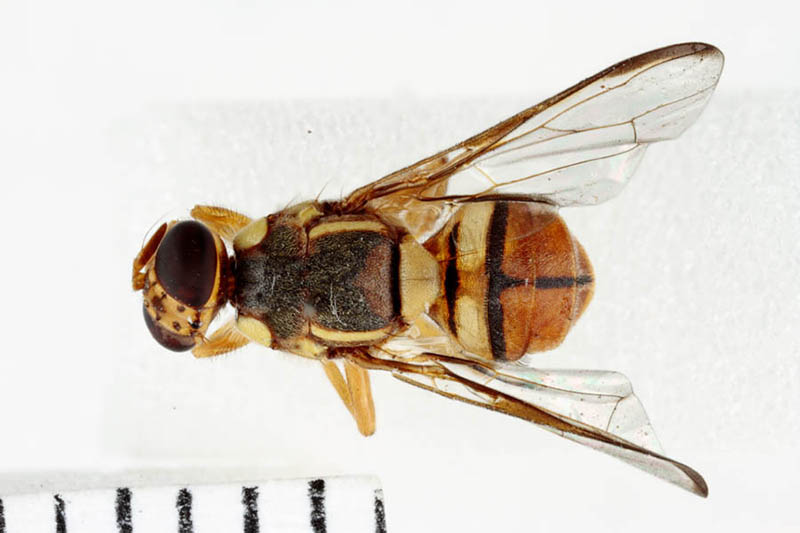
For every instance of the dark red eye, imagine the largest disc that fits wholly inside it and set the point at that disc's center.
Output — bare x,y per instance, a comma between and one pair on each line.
166,338
186,263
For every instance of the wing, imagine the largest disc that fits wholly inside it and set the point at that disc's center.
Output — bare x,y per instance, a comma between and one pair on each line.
597,409
579,147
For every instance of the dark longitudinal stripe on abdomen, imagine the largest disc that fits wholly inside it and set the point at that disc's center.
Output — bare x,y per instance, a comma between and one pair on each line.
498,280
561,282
451,278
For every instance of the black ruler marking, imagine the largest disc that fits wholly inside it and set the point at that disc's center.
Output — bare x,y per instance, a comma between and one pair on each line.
184,506
380,512
250,502
61,515
316,493
123,507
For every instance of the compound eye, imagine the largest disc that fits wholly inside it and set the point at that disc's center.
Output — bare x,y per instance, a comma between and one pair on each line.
166,338
186,263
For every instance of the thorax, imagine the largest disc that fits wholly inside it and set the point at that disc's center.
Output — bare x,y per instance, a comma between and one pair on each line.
313,280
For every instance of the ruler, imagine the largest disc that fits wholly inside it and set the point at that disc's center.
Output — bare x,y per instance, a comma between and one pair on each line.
322,505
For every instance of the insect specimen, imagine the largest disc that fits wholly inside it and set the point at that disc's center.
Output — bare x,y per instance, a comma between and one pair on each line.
448,272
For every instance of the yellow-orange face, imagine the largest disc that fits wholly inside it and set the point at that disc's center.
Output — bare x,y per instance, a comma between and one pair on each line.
184,282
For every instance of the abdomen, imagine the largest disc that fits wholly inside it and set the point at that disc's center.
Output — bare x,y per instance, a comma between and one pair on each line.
513,278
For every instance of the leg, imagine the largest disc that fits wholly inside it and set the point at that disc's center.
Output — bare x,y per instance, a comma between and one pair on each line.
355,393
225,339
337,380
361,396
223,221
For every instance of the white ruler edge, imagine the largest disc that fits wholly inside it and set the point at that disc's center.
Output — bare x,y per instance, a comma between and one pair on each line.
317,505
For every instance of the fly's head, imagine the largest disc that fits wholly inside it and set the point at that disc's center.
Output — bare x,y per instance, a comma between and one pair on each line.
184,274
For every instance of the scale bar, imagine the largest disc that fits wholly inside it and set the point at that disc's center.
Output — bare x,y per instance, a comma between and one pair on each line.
184,506
380,512
316,493
123,511
250,502
61,517
328,505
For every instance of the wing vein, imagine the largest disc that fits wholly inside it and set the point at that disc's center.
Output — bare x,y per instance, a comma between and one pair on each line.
556,169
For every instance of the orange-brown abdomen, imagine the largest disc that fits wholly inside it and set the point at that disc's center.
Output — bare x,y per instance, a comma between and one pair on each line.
514,280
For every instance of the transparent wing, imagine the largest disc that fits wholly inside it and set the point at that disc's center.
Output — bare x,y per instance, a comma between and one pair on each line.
597,409
600,399
579,147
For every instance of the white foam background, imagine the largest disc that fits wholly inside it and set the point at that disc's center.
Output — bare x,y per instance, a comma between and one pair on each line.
114,117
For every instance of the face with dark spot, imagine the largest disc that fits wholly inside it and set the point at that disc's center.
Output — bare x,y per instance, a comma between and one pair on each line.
166,338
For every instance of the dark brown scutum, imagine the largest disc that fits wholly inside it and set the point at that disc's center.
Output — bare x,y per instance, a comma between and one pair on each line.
395,271
344,281
335,284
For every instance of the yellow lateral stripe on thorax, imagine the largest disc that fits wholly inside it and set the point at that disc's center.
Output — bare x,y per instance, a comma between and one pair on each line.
349,337
346,225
